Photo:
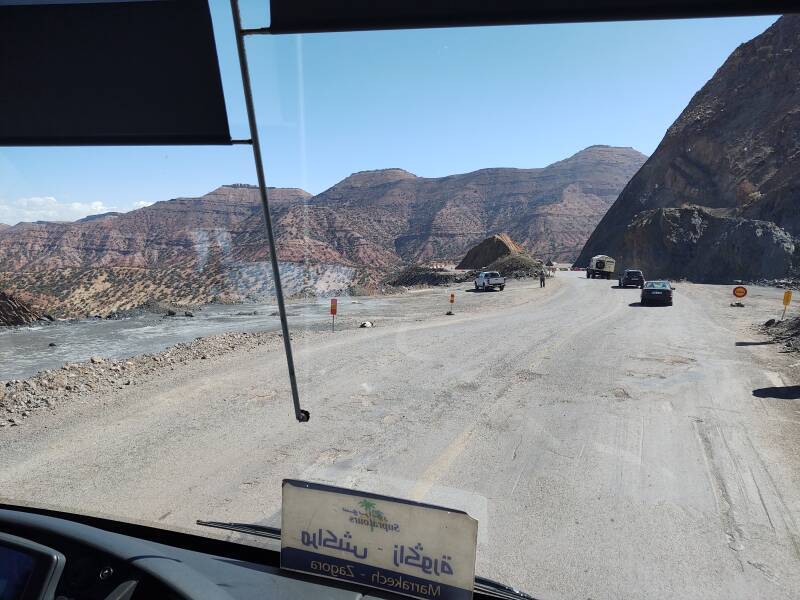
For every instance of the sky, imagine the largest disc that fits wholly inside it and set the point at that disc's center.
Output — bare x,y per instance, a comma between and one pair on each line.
434,102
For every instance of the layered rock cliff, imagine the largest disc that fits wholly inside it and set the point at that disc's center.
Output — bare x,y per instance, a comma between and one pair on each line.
719,199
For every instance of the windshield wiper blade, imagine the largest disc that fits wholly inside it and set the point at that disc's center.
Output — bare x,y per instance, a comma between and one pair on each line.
492,588
260,530
483,585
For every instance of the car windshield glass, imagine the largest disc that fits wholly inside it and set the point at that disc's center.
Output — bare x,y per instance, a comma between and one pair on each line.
610,444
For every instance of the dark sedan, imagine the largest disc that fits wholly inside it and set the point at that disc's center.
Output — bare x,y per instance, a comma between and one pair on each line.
657,292
632,277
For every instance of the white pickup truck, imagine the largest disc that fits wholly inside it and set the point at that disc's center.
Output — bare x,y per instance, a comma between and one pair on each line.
490,280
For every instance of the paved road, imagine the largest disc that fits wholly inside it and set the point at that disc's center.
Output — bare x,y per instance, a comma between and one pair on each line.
608,450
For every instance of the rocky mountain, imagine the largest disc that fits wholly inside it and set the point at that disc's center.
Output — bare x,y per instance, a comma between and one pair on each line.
720,197
392,215
212,248
15,312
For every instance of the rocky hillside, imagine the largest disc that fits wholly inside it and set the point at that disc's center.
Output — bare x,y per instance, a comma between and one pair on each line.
720,197
212,248
15,312
391,215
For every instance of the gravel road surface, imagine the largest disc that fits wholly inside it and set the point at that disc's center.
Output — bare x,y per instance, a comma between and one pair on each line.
608,450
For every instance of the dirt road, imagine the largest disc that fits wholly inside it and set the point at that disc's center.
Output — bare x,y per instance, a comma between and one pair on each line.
608,450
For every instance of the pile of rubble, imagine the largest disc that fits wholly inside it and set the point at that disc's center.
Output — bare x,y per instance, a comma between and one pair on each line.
786,332
19,398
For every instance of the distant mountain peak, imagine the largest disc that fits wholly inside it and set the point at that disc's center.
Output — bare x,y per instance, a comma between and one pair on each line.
597,150
376,177
100,217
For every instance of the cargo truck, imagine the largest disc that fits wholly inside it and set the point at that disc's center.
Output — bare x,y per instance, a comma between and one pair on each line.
601,266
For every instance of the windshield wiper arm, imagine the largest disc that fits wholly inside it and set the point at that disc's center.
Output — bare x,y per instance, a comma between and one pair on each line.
260,530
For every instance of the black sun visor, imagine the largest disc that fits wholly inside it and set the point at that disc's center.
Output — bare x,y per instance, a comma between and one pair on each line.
109,73
302,16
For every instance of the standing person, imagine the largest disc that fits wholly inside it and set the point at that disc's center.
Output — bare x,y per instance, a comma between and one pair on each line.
541,279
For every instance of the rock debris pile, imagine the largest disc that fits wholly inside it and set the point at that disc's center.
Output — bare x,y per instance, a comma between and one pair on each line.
19,398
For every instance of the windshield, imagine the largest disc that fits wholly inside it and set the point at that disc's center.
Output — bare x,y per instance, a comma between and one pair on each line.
609,445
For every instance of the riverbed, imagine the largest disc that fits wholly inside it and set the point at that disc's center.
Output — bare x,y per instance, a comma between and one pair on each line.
25,351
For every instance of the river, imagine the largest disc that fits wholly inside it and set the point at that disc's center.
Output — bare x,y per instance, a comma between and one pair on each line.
26,350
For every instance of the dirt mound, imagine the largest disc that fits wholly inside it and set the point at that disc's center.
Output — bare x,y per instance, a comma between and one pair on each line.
417,275
786,332
489,250
517,266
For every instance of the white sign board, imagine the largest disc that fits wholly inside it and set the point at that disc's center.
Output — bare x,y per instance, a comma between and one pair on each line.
397,545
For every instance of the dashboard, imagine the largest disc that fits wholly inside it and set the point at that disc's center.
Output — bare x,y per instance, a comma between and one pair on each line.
121,561
67,556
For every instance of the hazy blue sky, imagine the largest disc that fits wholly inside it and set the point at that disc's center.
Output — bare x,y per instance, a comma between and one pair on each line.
434,102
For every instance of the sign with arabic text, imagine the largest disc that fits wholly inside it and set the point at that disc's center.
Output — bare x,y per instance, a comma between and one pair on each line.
401,546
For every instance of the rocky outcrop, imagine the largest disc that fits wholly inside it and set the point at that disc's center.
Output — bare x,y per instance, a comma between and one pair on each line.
15,312
733,152
488,251
691,242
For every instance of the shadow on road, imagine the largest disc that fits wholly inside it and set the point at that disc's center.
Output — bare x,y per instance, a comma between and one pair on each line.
640,305
789,392
753,343
474,291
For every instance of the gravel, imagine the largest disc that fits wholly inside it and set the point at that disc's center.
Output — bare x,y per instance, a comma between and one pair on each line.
19,398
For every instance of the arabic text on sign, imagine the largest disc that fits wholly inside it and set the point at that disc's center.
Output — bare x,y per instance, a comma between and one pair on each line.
415,558
331,541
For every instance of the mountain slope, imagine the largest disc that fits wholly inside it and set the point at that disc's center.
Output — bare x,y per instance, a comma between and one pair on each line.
728,162
550,211
195,250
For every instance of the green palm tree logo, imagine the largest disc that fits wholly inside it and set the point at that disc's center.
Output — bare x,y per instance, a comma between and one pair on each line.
369,509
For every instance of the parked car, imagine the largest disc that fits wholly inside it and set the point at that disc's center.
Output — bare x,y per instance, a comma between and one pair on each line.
632,277
657,292
490,280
